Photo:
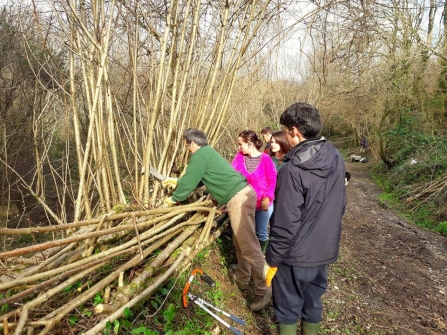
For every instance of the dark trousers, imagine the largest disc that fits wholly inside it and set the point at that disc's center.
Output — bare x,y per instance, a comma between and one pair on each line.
297,293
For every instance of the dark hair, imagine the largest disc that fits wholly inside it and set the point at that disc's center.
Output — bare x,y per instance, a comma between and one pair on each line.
196,135
281,138
304,117
250,136
266,130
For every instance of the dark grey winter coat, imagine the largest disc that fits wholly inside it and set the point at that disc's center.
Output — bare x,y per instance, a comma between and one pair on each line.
309,204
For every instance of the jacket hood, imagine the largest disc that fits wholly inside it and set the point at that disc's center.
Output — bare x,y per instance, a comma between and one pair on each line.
315,156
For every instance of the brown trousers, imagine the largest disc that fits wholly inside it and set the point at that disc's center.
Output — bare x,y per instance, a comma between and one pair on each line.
241,210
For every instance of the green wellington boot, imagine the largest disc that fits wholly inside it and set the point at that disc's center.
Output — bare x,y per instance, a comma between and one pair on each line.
309,328
287,329
264,245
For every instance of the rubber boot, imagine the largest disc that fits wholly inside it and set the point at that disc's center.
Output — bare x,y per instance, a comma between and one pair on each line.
309,328
287,329
264,245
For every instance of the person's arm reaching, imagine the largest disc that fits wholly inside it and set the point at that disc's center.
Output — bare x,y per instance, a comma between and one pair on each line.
191,179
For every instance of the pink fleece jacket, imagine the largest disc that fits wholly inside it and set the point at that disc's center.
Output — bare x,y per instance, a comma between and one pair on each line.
263,179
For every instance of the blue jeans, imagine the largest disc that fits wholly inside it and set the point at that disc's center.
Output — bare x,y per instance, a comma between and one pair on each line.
262,221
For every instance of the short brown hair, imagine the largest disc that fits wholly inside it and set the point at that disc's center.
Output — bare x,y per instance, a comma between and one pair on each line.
266,130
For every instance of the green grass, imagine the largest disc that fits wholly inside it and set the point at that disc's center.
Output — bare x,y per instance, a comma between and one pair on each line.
163,313
442,228
421,214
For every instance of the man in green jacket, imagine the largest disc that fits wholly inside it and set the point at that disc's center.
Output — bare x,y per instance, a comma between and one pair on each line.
228,187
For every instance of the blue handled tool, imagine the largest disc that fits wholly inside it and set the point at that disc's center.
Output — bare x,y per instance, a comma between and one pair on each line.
231,316
204,305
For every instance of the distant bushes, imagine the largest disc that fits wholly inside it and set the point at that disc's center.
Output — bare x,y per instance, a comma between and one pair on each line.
418,178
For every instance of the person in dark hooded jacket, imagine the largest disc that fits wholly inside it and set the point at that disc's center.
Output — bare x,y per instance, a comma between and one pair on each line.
305,226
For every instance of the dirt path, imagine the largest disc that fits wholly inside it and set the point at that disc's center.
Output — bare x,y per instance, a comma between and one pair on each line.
391,276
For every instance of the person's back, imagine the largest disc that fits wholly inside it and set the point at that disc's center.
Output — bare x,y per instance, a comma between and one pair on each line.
306,223
363,144
209,167
316,168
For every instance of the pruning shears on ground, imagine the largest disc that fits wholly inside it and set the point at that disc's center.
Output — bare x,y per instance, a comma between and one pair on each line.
206,306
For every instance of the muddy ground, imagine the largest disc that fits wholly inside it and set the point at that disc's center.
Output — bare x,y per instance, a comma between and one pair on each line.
391,277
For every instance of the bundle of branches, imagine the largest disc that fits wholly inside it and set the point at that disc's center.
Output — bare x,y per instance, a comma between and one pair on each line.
432,191
142,248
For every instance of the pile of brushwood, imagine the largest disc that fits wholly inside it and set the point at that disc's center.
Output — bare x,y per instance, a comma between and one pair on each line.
130,253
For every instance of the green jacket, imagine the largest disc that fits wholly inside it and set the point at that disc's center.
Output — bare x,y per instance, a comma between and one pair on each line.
208,167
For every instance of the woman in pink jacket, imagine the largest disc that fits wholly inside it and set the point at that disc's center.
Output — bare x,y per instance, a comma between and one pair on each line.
260,172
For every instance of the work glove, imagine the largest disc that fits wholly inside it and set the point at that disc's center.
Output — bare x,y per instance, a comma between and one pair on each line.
265,204
169,202
170,182
269,273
